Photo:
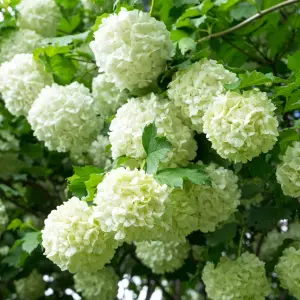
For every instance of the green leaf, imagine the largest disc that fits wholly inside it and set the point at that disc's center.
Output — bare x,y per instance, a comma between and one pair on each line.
66,40
244,10
99,21
222,235
250,79
177,35
225,6
294,61
76,183
174,177
68,25
68,4
187,44
91,185
155,147
250,190
63,69
15,224
31,240
265,218
287,137
293,101
178,3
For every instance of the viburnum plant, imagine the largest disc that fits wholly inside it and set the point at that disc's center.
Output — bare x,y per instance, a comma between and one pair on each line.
149,149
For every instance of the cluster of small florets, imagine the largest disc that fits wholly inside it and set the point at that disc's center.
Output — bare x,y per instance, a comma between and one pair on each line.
288,173
194,88
215,203
21,81
102,284
127,127
18,42
107,96
132,48
73,239
42,16
162,257
8,142
132,205
241,126
65,118
288,270
3,217
240,279
31,287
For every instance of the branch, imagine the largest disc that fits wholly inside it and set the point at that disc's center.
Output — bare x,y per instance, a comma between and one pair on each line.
249,20
259,244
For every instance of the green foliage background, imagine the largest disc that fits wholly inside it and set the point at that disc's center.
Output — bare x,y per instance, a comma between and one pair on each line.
265,53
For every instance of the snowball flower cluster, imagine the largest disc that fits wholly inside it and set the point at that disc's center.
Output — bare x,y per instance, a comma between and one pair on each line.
31,287
65,118
288,271
17,42
4,250
21,80
73,240
102,284
98,152
184,215
132,205
42,16
288,173
8,142
241,127
240,279
215,203
194,88
3,217
132,48
131,119
275,239
107,96
162,257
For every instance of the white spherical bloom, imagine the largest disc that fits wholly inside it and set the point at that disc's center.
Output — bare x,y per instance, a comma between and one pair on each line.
3,217
102,284
162,257
241,127
288,173
8,142
42,16
17,42
132,48
240,279
275,239
31,287
215,203
73,240
98,152
132,205
131,119
184,215
194,88
288,271
21,80
65,118
107,96
4,250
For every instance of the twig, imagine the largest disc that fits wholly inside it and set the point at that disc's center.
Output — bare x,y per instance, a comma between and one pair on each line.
241,241
249,20
151,288
259,244
177,288
152,7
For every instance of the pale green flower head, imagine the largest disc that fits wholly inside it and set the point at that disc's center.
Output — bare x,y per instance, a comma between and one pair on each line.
215,203
288,270
288,172
132,48
65,118
8,141
73,239
241,126
21,80
42,16
31,287
192,89
17,42
126,130
132,205
240,279
102,284
163,257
